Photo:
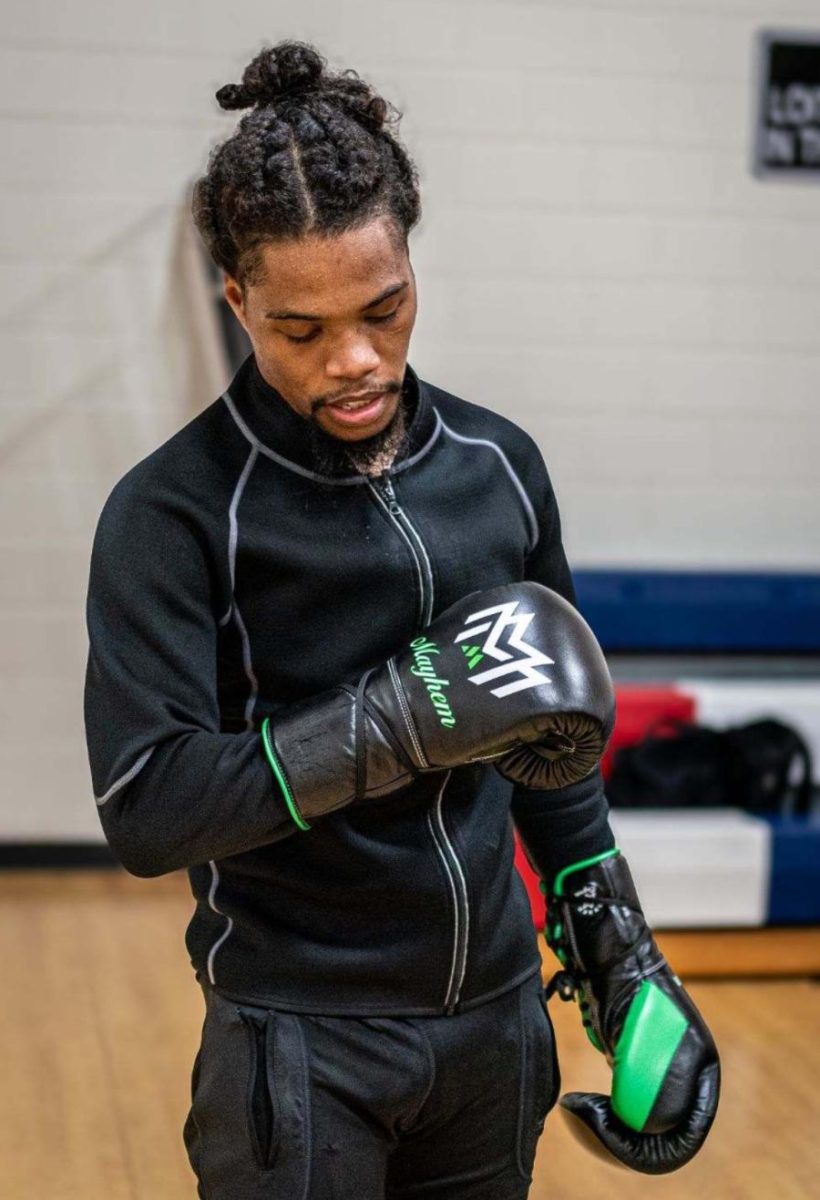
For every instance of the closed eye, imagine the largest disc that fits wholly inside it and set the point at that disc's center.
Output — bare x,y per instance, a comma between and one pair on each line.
308,337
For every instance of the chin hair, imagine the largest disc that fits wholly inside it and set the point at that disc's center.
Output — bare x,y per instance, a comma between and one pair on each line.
365,456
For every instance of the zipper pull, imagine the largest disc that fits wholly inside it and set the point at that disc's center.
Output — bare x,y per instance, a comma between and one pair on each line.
390,493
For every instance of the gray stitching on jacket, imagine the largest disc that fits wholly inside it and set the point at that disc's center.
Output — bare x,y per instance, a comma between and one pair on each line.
408,462
221,939
232,525
279,458
525,500
126,778
247,662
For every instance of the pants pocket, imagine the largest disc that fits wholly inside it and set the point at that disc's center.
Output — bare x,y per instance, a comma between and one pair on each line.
248,1129
262,1102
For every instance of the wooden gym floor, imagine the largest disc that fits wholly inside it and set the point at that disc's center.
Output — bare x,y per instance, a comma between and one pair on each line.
101,1018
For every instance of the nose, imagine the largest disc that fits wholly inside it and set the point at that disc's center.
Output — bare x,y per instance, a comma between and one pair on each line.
352,357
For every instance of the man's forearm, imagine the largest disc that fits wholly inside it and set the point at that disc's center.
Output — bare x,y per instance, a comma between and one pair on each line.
197,797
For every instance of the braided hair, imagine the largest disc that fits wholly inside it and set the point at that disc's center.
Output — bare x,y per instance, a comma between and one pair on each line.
315,155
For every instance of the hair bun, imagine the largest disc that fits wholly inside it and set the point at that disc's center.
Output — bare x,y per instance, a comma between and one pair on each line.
289,68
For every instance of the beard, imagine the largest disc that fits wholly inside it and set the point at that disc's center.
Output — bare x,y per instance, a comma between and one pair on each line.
367,456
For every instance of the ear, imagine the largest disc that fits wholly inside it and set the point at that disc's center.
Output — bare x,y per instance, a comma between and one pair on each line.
233,294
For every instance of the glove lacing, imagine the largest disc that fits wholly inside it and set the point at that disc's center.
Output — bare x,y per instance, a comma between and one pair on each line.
568,982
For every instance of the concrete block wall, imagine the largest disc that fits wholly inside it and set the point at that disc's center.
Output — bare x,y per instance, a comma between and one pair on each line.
595,260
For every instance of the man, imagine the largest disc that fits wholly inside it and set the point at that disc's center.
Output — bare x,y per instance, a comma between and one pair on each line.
375,1021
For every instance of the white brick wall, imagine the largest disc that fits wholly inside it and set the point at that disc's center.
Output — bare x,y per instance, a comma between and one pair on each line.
595,260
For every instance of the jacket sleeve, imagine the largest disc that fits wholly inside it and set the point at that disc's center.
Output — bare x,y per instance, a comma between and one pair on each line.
172,791
565,825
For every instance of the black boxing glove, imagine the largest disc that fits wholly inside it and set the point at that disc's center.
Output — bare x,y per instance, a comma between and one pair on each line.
577,737
665,1065
476,684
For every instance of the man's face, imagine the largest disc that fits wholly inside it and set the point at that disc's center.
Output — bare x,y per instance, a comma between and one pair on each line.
331,320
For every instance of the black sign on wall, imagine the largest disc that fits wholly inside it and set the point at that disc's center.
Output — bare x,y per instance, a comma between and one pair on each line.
788,95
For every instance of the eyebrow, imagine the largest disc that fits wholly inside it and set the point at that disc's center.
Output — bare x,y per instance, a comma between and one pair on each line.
289,315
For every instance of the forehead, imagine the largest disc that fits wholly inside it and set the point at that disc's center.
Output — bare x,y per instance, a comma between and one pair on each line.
332,274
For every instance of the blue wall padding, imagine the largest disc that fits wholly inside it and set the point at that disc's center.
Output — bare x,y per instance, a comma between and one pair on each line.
701,611
794,883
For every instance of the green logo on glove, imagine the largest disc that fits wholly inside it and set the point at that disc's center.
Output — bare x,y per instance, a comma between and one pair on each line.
422,650
474,655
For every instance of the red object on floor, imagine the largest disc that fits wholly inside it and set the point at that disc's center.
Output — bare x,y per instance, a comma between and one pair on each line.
638,707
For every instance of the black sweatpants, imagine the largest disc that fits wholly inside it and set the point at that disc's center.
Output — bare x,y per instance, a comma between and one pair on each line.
371,1108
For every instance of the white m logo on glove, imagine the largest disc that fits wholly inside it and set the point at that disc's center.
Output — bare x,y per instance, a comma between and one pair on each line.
524,662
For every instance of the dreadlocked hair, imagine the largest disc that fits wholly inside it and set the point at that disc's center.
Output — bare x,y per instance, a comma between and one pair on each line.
316,154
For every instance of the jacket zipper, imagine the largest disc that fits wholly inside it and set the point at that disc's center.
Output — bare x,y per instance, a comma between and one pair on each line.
461,907
383,489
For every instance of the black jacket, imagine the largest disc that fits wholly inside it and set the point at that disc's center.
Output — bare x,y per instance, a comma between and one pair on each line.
229,579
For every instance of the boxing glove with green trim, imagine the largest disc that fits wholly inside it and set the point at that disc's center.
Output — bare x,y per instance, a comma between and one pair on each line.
477,685
665,1065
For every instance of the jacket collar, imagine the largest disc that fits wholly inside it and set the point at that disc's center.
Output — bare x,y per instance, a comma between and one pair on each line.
267,419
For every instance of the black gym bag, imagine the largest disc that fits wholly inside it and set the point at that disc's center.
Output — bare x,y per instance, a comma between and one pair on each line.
751,766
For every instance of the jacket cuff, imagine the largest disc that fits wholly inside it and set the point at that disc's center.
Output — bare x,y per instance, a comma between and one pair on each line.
564,825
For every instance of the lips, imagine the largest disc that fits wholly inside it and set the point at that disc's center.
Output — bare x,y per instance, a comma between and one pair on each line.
359,399
367,408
